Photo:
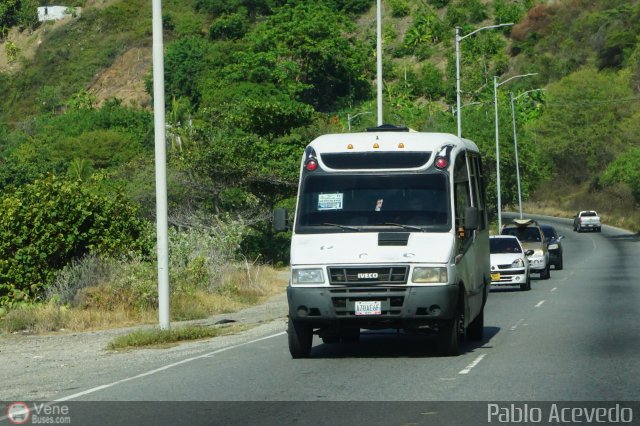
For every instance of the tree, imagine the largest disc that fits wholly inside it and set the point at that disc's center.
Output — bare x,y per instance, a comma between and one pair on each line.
48,223
625,169
185,61
305,48
579,130
255,108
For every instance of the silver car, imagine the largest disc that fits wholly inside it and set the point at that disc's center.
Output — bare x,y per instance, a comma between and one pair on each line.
509,263
532,238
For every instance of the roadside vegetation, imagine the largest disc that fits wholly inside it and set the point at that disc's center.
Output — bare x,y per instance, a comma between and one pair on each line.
95,293
248,85
166,338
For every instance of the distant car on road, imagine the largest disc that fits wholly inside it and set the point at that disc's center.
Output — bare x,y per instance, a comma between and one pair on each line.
509,263
532,238
554,246
587,219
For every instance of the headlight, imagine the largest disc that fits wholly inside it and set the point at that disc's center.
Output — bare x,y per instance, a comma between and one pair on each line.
430,275
518,263
307,276
553,247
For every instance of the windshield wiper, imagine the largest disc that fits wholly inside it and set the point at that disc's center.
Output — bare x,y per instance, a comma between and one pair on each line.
350,228
410,227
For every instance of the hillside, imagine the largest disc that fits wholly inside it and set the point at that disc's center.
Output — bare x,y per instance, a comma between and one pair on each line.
107,55
250,82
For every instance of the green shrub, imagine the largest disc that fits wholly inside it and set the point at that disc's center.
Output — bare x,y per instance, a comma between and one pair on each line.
199,256
80,273
48,223
129,284
624,169
399,8
101,148
229,27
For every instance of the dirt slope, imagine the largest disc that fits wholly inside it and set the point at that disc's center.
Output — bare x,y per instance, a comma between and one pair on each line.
123,80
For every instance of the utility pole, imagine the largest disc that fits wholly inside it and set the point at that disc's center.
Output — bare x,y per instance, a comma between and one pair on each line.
458,39
379,59
497,84
161,167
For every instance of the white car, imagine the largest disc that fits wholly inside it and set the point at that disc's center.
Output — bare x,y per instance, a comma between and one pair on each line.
509,263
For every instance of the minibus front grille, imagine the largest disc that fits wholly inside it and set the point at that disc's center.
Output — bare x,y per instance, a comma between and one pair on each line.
391,300
368,275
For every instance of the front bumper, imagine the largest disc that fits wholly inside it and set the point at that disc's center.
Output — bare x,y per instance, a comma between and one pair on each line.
538,264
508,277
400,305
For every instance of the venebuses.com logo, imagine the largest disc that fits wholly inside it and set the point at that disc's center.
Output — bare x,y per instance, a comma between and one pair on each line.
18,413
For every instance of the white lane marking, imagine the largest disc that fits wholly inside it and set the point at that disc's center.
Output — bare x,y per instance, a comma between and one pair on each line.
166,367
469,367
554,289
539,303
516,325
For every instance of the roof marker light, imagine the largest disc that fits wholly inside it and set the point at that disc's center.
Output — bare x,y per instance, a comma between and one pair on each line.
441,162
350,146
311,165
400,145
375,145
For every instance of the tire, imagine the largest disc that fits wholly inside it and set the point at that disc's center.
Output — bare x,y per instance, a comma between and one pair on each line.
300,338
449,336
546,274
527,285
559,265
475,331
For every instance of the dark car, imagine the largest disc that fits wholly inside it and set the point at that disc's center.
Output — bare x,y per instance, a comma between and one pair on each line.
554,242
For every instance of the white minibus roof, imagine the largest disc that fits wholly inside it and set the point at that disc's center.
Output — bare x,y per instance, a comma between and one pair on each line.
387,141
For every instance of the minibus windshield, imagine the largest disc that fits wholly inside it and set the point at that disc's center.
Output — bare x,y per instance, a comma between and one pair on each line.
352,202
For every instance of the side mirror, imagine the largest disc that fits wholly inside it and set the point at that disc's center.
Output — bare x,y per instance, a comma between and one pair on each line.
471,218
529,252
560,237
280,219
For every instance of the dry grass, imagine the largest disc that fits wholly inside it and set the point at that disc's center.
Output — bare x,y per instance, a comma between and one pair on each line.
242,286
166,338
615,205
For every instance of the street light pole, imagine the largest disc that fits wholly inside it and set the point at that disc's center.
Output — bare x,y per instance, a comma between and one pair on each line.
458,39
453,108
379,59
495,101
515,143
161,166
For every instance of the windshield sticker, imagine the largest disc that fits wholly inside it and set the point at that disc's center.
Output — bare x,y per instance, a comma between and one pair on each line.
330,201
379,204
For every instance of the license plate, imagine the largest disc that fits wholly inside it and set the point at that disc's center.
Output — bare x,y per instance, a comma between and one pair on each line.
495,276
369,307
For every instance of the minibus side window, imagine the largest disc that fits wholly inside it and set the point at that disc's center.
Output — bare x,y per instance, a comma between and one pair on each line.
462,197
477,185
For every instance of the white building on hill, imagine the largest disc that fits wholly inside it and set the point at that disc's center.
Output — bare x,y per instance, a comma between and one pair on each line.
53,13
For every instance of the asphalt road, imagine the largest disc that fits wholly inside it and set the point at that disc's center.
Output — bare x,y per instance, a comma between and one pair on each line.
573,337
